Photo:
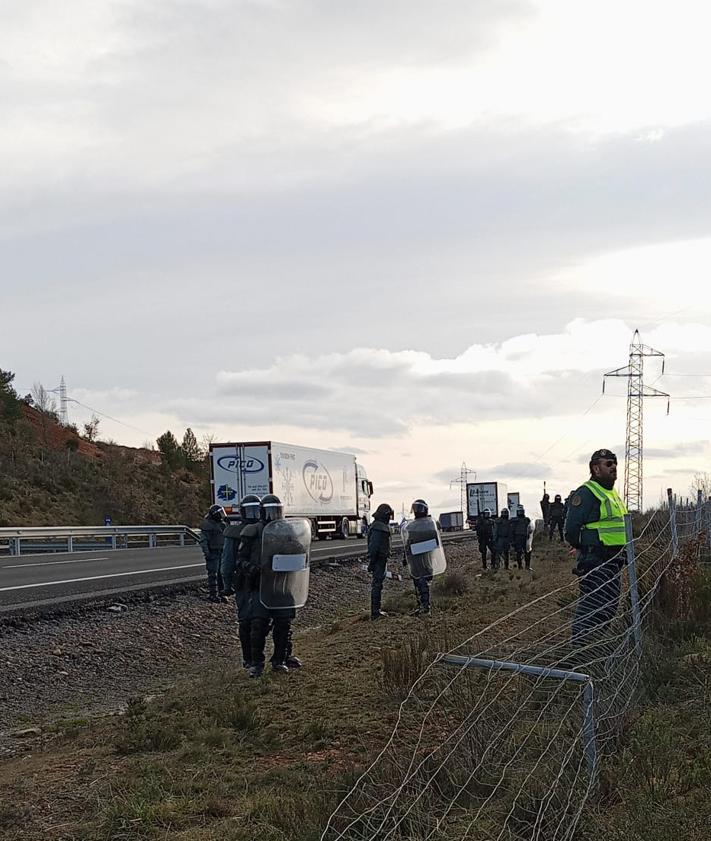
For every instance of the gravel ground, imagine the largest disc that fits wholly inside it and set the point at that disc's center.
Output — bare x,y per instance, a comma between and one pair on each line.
89,661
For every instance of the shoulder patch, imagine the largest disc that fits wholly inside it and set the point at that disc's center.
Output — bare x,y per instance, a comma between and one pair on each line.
576,500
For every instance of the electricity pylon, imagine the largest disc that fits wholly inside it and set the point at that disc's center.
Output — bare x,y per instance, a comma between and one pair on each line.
461,480
634,440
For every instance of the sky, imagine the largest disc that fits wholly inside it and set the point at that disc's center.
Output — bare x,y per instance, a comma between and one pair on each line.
416,231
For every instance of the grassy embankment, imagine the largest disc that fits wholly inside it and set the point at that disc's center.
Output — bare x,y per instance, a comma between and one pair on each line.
223,757
658,787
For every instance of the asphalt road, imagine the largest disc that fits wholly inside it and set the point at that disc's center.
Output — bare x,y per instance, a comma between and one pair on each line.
38,578
47,579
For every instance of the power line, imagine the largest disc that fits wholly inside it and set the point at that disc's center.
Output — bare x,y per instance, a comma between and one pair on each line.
108,417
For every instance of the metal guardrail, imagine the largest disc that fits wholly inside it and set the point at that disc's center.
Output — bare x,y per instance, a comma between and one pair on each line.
64,538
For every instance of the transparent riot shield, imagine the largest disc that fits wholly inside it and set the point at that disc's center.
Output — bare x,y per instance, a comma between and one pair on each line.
286,551
529,539
423,547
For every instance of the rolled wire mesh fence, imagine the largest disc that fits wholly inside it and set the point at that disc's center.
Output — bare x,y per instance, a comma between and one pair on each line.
502,736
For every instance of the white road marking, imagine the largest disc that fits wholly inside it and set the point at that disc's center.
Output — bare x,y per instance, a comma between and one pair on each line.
96,577
53,563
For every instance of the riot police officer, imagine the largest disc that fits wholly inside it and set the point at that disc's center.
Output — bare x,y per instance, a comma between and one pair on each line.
212,540
521,531
546,507
378,555
423,553
556,518
485,534
234,576
502,539
275,555
595,526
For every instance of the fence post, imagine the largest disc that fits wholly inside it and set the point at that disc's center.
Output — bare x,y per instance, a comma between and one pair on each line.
634,589
697,517
672,520
70,543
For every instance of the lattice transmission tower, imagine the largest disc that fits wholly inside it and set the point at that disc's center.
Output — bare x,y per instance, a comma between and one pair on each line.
634,439
461,480
63,412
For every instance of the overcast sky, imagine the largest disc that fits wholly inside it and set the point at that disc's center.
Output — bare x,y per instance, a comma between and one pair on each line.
417,230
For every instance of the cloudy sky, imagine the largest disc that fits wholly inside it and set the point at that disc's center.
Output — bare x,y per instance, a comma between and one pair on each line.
417,230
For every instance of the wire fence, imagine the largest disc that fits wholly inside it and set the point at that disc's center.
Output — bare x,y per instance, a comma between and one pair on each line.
503,736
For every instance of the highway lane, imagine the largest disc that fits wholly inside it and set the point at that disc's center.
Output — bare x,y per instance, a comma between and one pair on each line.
44,578
30,578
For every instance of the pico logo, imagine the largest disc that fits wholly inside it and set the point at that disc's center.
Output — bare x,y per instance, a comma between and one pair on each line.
233,464
317,481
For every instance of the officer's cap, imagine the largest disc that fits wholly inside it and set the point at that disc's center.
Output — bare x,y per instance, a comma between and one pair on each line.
598,455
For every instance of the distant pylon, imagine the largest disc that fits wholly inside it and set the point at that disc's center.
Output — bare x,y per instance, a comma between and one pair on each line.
634,440
462,482
63,413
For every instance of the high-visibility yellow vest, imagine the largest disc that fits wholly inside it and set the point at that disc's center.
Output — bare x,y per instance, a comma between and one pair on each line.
610,527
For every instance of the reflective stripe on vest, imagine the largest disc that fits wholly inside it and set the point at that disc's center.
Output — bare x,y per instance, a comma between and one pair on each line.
610,527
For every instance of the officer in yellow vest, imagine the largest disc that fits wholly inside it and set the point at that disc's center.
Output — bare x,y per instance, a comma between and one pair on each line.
595,526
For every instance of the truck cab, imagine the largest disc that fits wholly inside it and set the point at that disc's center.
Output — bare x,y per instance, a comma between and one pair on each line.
364,490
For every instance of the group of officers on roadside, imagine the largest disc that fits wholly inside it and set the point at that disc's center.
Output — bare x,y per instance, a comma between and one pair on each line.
591,521
263,559
497,536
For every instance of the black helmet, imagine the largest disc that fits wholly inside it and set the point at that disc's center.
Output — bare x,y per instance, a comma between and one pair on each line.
271,508
216,512
420,508
505,513
383,513
520,511
250,508
558,498
486,512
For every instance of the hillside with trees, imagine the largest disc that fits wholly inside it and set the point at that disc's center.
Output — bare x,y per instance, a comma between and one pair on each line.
58,475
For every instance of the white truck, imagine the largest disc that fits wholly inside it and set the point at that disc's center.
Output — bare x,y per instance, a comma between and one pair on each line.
513,501
328,488
481,495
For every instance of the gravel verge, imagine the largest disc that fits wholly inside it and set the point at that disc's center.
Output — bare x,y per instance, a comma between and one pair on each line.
88,660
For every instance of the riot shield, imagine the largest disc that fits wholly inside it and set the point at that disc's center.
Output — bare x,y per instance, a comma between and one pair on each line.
286,551
529,539
423,547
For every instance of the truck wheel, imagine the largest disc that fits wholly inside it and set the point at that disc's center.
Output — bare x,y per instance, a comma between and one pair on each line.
345,528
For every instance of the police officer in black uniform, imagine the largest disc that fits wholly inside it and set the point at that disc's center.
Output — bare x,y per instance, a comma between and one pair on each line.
234,576
502,539
595,526
212,538
520,532
556,518
249,557
378,555
485,534
422,584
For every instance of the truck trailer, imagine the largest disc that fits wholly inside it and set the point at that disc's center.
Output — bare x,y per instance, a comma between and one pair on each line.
451,521
513,502
328,488
481,495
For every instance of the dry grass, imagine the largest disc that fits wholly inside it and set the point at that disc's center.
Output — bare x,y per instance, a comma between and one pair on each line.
223,757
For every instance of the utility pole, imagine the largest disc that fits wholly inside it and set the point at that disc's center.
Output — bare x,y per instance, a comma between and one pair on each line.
634,439
461,480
